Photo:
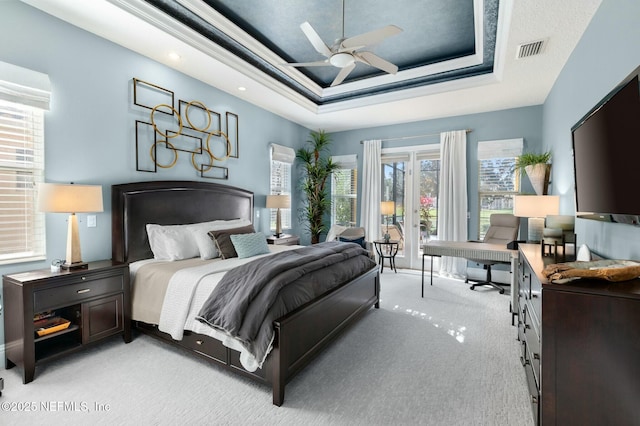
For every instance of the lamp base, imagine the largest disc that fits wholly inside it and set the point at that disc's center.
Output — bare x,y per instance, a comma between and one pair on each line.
76,265
534,229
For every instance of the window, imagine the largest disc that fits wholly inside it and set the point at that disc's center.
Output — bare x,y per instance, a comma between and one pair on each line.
498,180
24,95
281,160
344,191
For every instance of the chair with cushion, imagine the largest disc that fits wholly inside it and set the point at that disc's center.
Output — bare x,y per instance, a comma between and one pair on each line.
353,234
503,228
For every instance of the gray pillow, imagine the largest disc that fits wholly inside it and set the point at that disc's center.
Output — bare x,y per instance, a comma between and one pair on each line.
223,242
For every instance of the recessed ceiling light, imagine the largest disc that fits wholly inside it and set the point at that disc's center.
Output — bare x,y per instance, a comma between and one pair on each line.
242,88
174,56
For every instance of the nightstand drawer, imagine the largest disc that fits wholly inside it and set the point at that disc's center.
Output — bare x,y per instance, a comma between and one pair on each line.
65,295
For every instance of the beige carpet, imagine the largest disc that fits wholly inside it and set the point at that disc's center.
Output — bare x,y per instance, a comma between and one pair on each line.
448,359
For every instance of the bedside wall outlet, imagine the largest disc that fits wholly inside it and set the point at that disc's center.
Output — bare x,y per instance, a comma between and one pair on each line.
91,221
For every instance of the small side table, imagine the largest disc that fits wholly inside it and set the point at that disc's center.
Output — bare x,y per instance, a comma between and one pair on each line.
387,250
284,240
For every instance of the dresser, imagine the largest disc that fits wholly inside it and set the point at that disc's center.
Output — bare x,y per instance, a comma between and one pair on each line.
94,303
580,346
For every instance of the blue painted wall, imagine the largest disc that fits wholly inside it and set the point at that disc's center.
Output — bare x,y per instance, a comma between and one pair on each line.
89,131
507,124
607,52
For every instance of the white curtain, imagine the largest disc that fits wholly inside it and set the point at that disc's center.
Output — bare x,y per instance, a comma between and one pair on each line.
452,203
371,191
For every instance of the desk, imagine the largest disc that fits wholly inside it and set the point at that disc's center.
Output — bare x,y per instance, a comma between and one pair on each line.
387,250
472,250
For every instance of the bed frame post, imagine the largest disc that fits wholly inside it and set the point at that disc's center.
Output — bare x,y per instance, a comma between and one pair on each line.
278,367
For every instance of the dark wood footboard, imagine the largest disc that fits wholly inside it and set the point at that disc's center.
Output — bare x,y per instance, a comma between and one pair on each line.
303,333
300,335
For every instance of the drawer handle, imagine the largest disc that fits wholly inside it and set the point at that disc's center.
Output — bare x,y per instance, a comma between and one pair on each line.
534,399
198,342
86,290
84,278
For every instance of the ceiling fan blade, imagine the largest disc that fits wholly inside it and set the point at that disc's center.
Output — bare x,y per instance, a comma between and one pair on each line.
344,72
376,61
310,64
372,37
315,39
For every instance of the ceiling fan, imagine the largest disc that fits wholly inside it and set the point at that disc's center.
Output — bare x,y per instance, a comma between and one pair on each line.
345,52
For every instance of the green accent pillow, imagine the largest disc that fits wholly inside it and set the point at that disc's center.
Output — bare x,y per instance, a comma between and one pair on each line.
249,245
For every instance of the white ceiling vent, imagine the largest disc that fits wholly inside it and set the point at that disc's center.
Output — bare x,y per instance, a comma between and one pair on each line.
530,49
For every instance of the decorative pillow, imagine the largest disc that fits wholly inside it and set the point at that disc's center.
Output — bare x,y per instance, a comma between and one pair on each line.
249,245
177,242
206,245
223,242
359,241
173,242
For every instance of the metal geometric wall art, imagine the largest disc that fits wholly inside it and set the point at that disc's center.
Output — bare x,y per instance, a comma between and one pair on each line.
192,128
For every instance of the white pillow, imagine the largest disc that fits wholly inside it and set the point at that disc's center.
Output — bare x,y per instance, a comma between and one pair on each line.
173,242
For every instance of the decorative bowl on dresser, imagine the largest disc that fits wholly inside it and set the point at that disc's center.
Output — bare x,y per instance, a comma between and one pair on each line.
94,300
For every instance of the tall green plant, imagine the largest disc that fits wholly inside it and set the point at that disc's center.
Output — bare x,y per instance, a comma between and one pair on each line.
317,168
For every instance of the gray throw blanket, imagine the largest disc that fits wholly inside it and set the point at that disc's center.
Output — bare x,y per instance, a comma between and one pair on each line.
249,298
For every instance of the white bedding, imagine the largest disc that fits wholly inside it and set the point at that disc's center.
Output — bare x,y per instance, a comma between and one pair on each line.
187,291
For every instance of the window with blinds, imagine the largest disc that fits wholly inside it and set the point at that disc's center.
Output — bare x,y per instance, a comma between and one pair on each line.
22,235
282,158
344,190
498,181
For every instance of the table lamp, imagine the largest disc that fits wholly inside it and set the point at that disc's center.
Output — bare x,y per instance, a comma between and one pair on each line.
278,201
72,199
535,208
387,208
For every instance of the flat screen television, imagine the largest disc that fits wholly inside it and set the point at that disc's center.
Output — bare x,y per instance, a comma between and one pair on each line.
606,156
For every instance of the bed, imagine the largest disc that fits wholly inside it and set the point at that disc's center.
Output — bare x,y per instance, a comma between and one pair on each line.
298,336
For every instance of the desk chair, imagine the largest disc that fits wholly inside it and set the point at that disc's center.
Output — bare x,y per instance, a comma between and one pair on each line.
502,230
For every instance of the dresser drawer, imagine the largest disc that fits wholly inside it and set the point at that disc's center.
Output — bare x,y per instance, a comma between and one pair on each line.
205,345
69,294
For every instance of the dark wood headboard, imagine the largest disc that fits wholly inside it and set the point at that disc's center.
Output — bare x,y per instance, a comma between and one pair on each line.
133,205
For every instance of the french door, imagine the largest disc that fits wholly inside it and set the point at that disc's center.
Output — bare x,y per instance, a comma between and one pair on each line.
410,178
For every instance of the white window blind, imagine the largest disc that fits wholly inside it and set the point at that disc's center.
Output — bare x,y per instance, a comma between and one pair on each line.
24,95
498,180
282,158
22,234
344,190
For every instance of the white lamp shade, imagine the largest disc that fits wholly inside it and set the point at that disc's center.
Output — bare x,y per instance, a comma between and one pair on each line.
536,205
387,207
278,201
69,198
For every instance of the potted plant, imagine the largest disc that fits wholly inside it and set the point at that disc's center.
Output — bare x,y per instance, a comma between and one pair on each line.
317,169
538,170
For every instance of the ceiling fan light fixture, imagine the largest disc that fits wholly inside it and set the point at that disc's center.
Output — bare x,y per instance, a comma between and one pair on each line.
341,60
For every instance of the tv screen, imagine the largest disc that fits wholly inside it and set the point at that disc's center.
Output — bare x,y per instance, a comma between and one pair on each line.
606,153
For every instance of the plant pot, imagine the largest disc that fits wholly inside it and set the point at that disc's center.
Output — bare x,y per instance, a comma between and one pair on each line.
539,177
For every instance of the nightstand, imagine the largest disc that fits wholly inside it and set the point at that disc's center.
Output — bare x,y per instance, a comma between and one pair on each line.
95,300
284,240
